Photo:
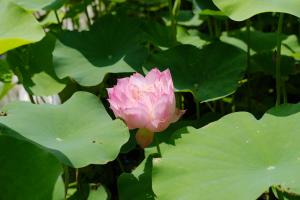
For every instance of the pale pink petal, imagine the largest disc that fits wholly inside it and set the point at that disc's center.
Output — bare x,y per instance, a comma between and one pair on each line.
135,117
153,75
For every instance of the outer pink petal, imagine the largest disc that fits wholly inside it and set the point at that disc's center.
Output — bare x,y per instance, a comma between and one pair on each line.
137,80
160,114
153,75
135,117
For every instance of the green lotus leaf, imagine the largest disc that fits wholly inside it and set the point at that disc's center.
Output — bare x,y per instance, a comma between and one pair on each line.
78,132
27,172
231,158
111,46
34,68
285,110
240,10
18,27
196,69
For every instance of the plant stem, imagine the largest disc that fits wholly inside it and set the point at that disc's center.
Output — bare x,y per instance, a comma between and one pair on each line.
210,107
285,100
176,8
57,17
182,102
66,180
197,109
171,12
278,60
217,29
157,146
210,27
121,165
31,98
87,14
248,24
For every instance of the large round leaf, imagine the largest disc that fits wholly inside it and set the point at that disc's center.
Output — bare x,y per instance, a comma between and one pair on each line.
237,157
79,132
210,73
243,9
33,65
18,27
111,46
26,171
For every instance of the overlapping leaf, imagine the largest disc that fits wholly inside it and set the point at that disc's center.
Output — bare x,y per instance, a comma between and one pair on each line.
18,27
243,9
111,46
230,159
34,67
79,132
34,4
26,171
210,73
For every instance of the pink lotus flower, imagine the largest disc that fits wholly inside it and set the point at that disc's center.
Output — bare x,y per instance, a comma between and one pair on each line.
147,103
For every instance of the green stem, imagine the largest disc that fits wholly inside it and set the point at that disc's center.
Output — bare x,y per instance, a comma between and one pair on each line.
197,109
121,165
227,25
217,29
176,8
285,100
210,107
157,147
66,178
31,98
248,24
57,17
171,12
87,14
210,27
222,107
278,60
182,102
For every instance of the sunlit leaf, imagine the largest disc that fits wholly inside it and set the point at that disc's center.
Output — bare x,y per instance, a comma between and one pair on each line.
243,9
232,156
18,27
111,46
79,132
